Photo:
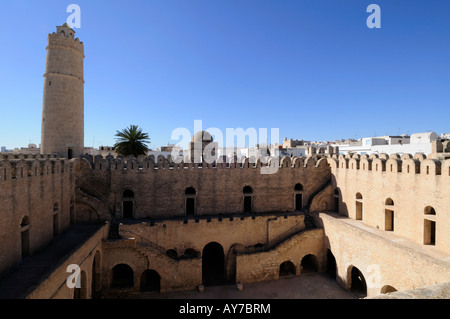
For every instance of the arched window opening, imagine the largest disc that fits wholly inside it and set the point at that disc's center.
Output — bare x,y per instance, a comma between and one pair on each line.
247,190
429,211
190,191
172,253
298,187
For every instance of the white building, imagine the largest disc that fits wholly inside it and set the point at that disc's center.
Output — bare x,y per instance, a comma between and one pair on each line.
416,143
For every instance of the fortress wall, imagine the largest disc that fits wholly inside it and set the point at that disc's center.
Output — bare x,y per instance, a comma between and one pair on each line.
412,183
380,258
247,231
159,188
37,189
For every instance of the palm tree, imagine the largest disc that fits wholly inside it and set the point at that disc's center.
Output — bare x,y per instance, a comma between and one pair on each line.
131,141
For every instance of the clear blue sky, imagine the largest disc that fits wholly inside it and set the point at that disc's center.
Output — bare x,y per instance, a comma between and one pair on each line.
313,69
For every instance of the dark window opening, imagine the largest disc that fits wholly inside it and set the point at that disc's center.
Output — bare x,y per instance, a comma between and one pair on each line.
247,204
150,281
298,201
127,209
287,268
213,267
123,276
358,283
70,153
331,265
309,264
190,206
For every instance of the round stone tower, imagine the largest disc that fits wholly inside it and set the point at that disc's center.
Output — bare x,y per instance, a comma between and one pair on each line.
63,102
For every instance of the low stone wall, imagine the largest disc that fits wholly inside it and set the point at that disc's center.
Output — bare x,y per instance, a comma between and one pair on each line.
384,259
264,266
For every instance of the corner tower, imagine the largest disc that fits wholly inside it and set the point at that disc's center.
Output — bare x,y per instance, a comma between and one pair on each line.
62,129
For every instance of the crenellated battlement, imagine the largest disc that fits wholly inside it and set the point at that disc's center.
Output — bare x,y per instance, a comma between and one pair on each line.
65,36
17,166
100,163
394,163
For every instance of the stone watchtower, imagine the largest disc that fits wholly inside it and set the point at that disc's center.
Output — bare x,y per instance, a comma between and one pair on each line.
63,102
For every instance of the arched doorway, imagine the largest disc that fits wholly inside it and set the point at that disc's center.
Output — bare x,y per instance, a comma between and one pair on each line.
287,268
150,281
122,276
213,270
128,203
331,264
309,264
357,282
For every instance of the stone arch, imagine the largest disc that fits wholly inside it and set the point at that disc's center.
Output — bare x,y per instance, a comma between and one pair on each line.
287,268
150,281
309,264
356,282
213,264
122,276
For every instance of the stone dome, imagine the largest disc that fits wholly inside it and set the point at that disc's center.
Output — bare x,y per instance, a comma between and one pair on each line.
202,136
